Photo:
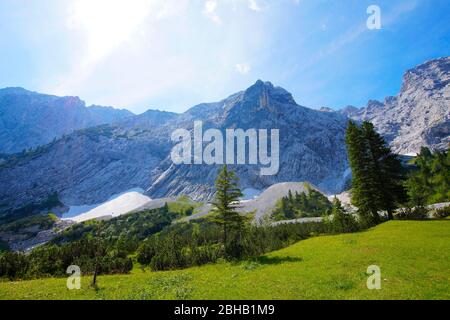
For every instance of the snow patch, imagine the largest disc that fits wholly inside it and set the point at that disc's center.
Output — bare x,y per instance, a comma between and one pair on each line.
117,205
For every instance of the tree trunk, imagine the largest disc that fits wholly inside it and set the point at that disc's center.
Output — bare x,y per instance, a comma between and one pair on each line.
225,234
94,280
390,215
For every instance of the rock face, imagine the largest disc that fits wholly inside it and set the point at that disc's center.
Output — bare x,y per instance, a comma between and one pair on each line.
29,119
419,115
312,144
88,166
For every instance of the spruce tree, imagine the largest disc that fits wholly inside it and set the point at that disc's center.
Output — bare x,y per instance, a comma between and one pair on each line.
342,222
364,188
386,171
430,182
226,202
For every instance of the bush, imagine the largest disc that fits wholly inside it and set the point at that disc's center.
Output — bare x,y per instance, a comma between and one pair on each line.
309,204
418,213
442,212
340,221
52,260
197,243
13,265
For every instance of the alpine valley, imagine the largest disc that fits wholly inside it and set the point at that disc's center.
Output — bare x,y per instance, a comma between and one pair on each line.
86,155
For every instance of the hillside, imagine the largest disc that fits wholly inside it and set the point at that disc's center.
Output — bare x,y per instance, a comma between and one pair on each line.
413,257
30,119
89,166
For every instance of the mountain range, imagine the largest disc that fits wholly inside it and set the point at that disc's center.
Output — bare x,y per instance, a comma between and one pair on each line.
93,153
419,115
29,119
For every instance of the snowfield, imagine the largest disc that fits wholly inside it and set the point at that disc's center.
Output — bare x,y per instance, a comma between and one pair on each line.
116,206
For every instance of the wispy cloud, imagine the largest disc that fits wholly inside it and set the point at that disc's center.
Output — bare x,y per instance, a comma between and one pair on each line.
243,68
210,10
253,5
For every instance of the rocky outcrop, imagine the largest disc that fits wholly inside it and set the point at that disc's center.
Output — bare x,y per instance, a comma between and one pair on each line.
312,144
419,115
31,237
29,119
89,166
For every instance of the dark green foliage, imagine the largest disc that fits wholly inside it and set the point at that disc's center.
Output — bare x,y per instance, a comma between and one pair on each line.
13,265
136,226
226,203
341,221
310,204
54,260
25,156
430,182
387,170
3,246
42,221
189,211
116,239
200,242
442,212
377,174
95,133
31,209
417,213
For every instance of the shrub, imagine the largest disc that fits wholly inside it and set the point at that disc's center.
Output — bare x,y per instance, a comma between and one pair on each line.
442,213
13,265
417,213
340,221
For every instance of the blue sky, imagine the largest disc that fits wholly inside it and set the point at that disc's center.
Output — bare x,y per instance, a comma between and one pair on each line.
173,54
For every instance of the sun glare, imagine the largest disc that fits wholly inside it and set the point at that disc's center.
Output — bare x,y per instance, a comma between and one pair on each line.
107,23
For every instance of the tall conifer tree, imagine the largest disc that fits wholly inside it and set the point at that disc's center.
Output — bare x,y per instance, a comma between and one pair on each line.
377,183
226,202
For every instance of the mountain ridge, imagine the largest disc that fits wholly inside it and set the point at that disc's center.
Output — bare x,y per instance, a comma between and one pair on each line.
419,115
89,165
29,119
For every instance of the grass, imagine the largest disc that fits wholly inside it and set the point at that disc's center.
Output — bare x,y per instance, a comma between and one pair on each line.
183,204
414,257
43,221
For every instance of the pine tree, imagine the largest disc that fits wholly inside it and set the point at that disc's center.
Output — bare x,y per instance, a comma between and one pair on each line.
341,220
226,202
364,189
378,176
386,171
430,182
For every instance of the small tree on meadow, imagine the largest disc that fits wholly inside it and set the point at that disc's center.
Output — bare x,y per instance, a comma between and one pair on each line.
226,202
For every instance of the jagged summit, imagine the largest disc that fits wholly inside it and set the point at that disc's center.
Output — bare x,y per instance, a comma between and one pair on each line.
419,115
30,119
431,75
88,167
266,90
14,90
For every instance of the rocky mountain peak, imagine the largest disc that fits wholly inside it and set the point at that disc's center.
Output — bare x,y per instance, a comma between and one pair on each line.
14,91
326,109
419,115
374,104
266,92
431,75
349,111
30,119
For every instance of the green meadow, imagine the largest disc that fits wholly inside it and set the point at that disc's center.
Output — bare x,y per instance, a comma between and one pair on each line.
414,257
